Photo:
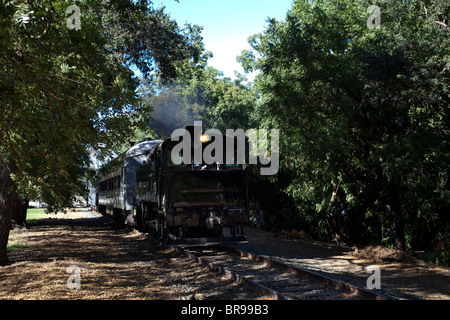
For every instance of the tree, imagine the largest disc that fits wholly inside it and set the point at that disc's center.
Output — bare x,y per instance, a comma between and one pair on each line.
66,91
364,114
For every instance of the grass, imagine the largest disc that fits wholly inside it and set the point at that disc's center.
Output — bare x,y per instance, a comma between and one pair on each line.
36,214
16,242
15,246
32,214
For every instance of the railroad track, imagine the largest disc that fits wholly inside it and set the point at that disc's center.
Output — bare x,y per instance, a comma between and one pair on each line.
275,279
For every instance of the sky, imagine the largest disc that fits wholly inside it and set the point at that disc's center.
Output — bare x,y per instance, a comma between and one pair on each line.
227,25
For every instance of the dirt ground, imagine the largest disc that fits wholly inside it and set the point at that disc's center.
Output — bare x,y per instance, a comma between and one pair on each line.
401,275
82,255
72,257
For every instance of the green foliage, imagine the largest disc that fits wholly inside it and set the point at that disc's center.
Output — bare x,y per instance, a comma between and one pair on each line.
65,93
439,250
364,114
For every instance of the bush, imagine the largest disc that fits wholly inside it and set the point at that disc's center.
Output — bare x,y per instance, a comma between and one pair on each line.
439,251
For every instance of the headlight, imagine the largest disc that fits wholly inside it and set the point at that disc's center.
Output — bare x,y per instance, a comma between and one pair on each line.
204,138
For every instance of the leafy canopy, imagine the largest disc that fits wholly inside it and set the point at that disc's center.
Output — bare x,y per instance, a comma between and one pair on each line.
364,114
65,93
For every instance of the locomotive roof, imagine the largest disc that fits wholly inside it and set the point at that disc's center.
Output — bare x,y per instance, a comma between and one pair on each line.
142,148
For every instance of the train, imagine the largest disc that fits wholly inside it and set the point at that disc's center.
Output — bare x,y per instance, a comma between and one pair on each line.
184,204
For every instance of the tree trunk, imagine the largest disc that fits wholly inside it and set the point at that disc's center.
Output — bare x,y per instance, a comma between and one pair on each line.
7,200
24,211
259,216
397,214
19,212
333,197
330,220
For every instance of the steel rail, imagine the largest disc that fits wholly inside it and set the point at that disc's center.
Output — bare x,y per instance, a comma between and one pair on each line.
235,276
340,287
356,291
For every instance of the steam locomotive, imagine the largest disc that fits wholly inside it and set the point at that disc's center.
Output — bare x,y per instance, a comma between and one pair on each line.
185,204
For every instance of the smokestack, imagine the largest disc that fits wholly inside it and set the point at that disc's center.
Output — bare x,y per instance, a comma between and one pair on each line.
191,128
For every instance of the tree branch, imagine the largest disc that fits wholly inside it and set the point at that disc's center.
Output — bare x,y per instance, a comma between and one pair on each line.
441,23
